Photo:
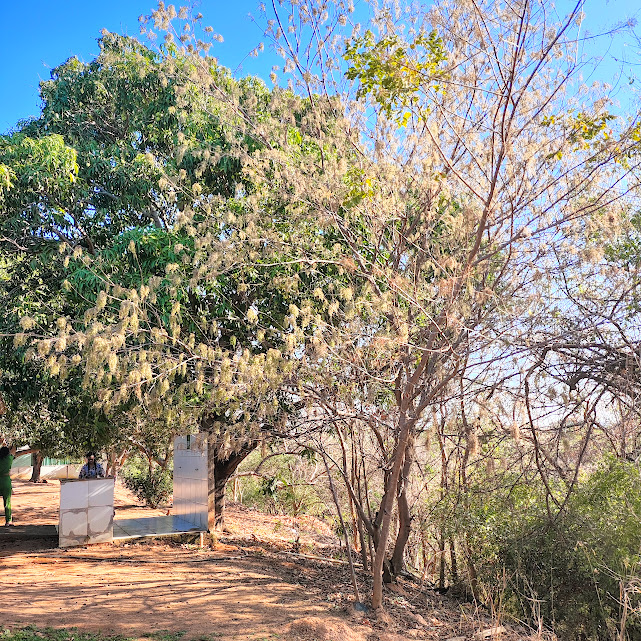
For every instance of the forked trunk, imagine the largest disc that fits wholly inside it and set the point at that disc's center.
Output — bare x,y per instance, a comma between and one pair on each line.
387,507
404,517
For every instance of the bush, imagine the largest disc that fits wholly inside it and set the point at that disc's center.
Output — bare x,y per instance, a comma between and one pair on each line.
154,486
283,487
570,572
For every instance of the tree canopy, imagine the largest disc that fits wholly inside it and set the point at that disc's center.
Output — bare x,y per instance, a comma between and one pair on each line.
421,230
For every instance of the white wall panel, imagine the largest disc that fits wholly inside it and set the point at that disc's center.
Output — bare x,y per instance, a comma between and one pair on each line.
86,511
190,479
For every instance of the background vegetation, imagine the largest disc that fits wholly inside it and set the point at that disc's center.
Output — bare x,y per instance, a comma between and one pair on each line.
397,288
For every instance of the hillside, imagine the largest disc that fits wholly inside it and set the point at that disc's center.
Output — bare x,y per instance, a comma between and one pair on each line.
256,583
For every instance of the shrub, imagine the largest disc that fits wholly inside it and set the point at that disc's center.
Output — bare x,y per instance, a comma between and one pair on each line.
153,486
572,571
283,487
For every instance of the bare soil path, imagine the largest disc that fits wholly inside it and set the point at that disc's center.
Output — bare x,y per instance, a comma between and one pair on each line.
248,586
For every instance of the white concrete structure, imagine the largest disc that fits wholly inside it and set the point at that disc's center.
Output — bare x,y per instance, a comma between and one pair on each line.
87,506
86,511
190,480
46,472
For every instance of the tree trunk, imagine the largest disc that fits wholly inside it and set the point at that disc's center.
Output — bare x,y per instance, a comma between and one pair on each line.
454,568
361,536
387,505
471,569
219,471
404,517
115,461
348,551
37,459
441,574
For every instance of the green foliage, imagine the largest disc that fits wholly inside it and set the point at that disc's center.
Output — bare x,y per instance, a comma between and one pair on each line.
570,571
165,635
393,71
581,130
6,175
33,633
626,249
90,192
283,486
152,483
33,171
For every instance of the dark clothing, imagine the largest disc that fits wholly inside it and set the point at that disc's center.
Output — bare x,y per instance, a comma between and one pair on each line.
5,486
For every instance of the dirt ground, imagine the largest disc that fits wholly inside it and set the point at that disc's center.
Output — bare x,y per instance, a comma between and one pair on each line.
252,584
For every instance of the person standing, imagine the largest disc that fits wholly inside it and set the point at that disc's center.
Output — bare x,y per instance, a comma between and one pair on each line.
91,469
6,489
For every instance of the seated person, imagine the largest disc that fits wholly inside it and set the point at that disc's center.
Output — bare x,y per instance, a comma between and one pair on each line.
91,469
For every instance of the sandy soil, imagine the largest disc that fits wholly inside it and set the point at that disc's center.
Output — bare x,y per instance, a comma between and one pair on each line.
249,585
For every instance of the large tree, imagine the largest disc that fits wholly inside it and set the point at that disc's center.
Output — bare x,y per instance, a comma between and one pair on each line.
388,229
129,193
481,159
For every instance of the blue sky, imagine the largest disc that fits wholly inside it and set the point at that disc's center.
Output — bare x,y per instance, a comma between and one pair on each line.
37,35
